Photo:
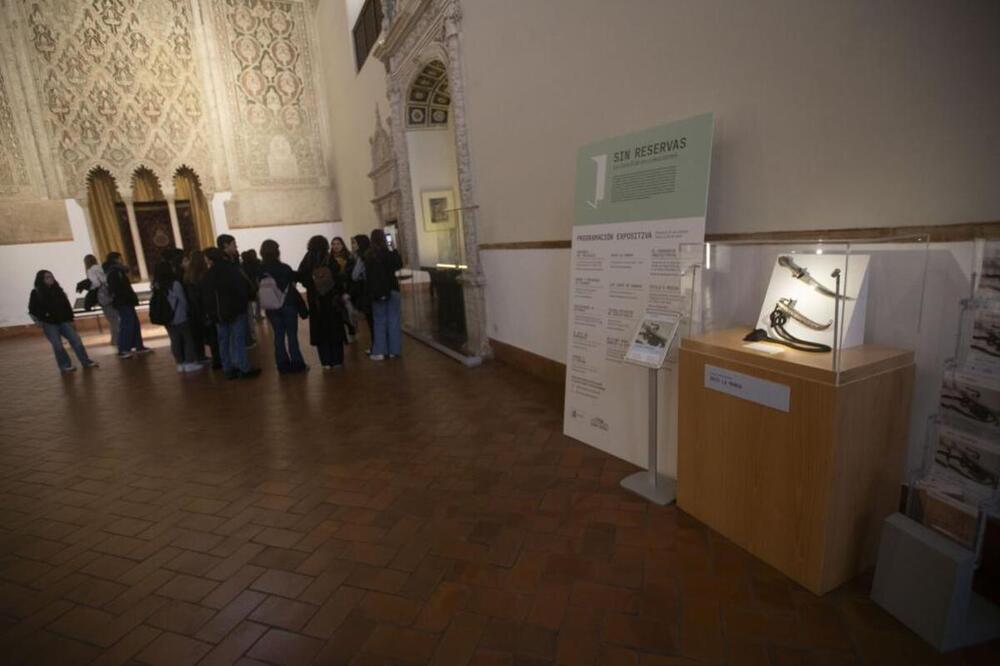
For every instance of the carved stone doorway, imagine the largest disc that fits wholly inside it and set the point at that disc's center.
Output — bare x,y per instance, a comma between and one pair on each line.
421,49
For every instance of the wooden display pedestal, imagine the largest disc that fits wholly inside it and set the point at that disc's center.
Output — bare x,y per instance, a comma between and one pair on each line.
804,490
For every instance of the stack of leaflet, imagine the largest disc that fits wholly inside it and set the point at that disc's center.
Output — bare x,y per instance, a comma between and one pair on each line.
962,473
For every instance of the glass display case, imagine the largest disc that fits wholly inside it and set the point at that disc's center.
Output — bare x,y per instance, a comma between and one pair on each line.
827,304
433,295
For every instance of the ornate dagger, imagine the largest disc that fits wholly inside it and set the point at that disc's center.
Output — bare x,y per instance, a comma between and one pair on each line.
800,273
787,305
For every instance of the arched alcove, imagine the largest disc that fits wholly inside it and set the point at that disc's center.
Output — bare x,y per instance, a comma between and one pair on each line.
109,221
154,224
146,186
431,151
428,100
430,143
194,216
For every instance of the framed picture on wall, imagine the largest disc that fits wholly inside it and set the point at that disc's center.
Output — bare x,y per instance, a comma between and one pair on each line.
437,207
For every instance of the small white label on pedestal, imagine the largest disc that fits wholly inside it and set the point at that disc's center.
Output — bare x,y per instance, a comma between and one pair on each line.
754,389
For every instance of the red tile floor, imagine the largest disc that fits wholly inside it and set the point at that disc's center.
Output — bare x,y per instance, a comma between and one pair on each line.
406,512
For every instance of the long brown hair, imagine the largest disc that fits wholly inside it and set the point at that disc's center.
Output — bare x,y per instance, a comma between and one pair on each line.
196,267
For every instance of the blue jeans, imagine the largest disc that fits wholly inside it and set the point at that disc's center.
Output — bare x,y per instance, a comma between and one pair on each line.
233,344
182,343
285,323
129,330
55,333
387,330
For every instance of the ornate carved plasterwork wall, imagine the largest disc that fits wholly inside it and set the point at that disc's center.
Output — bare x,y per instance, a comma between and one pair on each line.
13,170
227,88
269,76
118,85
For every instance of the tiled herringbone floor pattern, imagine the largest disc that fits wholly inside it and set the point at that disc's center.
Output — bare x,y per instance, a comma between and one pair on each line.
407,512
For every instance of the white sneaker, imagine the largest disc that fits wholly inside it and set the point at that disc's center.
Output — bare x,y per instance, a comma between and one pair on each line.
377,357
180,367
193,367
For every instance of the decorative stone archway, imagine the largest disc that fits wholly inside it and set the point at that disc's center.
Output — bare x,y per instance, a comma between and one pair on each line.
415,33
385,182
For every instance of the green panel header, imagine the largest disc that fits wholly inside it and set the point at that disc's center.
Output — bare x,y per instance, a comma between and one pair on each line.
656,174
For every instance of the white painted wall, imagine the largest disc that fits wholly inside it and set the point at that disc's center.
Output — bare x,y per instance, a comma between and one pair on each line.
527,299
20,263
351,100
829,114
433,167
527,304
352,9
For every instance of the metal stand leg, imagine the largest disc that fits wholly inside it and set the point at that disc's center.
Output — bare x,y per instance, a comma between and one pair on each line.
651,484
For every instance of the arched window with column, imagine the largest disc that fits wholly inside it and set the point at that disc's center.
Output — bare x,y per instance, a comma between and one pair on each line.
154,224
109,219
194,216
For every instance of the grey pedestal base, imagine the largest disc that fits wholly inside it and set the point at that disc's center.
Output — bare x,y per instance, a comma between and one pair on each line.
663,493
925,581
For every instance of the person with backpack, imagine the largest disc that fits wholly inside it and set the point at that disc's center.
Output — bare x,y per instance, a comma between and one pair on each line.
280,300
124,300
324,283
49,307
381,265
168,307
225,296
99,282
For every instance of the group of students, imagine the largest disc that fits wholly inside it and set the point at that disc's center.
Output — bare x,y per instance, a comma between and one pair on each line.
208,298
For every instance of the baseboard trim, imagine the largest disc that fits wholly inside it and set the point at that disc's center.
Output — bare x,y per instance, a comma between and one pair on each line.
937,233
531,363
467,361
528,245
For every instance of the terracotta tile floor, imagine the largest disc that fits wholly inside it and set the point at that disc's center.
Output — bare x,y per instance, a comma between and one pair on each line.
406,512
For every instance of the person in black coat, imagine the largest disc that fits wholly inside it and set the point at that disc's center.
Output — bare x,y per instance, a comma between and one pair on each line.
325,285
49,306
124,300
225,297
202,329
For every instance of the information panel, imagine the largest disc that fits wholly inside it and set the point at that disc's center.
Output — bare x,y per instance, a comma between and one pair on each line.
639,224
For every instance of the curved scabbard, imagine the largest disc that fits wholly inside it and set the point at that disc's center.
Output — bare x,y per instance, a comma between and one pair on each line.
787,305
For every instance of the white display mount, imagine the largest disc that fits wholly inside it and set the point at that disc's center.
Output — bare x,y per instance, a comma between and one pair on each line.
651,342
814,304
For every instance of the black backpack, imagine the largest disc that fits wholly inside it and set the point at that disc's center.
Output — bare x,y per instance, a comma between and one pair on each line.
160,311
377,279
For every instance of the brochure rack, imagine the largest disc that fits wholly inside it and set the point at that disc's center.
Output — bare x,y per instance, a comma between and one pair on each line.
928,557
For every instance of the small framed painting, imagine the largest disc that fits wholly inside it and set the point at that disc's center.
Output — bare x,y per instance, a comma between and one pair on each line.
438,209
